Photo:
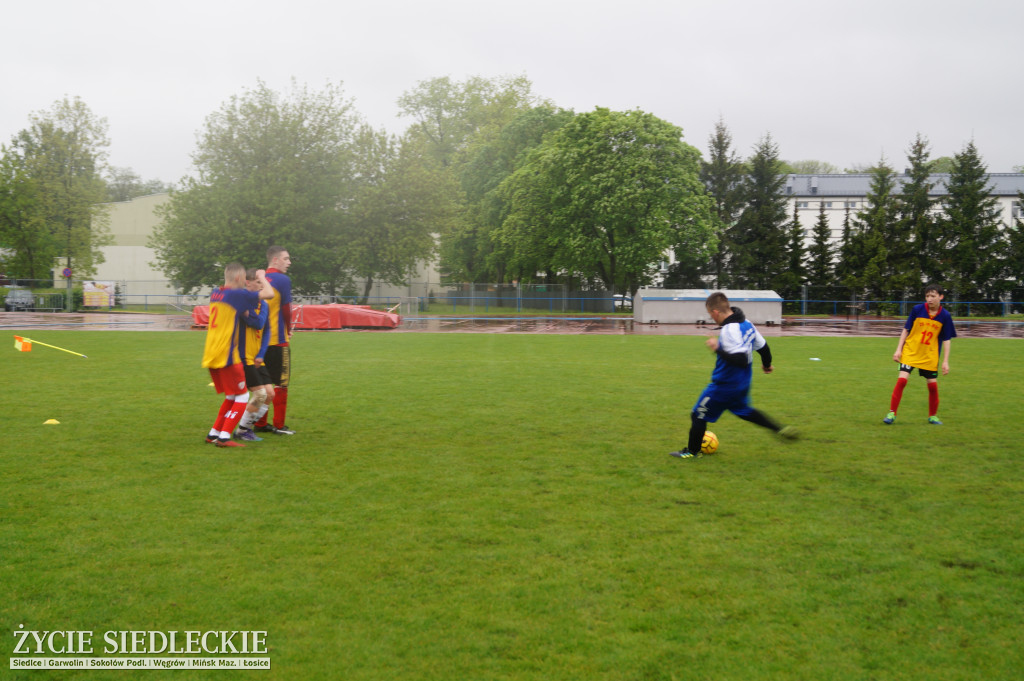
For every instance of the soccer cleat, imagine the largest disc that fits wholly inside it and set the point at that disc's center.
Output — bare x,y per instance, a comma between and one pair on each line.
685,453
248,435
267,428
284,430
210,440
229,443
889,418
789,433
934,421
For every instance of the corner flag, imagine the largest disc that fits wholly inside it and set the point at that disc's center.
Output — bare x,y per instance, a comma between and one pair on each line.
25,345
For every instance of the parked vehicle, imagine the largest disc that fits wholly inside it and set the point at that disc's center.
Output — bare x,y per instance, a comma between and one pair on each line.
19,299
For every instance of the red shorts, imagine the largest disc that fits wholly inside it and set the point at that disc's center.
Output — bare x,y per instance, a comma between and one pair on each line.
229,380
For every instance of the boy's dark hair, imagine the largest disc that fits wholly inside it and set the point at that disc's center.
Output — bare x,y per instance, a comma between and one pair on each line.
934,287
718,301
275,251
250,274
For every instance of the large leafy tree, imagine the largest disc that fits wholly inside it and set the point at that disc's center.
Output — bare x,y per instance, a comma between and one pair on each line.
450,116
606,195
469,252
758,241
811,167
400,203
270,169
26,248
53,191
971,243
124,184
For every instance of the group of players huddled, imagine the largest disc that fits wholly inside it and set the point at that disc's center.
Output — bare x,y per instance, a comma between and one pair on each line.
247,350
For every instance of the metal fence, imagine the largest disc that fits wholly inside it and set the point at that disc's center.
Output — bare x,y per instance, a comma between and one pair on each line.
472,298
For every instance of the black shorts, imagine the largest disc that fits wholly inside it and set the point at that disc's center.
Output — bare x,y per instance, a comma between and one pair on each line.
278,360
255,376
924,373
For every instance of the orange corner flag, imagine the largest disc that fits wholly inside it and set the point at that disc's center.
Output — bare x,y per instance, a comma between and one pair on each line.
25,345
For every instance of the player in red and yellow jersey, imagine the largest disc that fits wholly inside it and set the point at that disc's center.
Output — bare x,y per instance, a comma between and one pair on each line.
225,343
279,354
928,330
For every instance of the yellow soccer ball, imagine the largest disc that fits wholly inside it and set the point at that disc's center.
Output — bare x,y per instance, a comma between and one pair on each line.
709,445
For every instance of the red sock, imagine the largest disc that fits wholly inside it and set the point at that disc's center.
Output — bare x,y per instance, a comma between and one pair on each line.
225,407
933,399
233,416
897,394
280,406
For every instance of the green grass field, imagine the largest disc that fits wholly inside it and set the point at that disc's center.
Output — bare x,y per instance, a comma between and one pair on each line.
460,506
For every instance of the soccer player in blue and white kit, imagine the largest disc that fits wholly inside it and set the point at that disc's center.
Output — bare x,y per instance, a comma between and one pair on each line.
730,380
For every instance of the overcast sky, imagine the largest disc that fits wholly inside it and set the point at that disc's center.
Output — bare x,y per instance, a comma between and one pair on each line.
841,82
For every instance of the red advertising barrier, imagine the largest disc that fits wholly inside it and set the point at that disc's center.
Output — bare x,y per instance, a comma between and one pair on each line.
333,316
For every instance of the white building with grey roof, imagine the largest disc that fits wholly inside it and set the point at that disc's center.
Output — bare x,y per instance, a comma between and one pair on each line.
807,194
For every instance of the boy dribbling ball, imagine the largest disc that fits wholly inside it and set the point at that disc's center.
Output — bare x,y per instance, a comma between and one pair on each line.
729,389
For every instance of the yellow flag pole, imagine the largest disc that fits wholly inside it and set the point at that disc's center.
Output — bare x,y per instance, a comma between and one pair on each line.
72,352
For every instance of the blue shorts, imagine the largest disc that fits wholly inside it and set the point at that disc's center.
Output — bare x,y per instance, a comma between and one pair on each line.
713,402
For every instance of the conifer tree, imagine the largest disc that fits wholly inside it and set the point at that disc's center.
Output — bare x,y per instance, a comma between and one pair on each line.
1015,241
758,240
821,268
971,248
916,222
873,271
789,283
722,174
848,252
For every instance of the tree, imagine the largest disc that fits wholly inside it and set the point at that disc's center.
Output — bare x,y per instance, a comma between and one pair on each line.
850,253
449,115
873,233
943,164
606,195
1015,245
124,184
26,249
758,240
53,171
821,268
916,222
722,175
271,169
810,167
400,202
970,242
469,251
790,281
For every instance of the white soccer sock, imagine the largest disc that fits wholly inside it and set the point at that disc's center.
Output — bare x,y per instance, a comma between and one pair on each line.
248,418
